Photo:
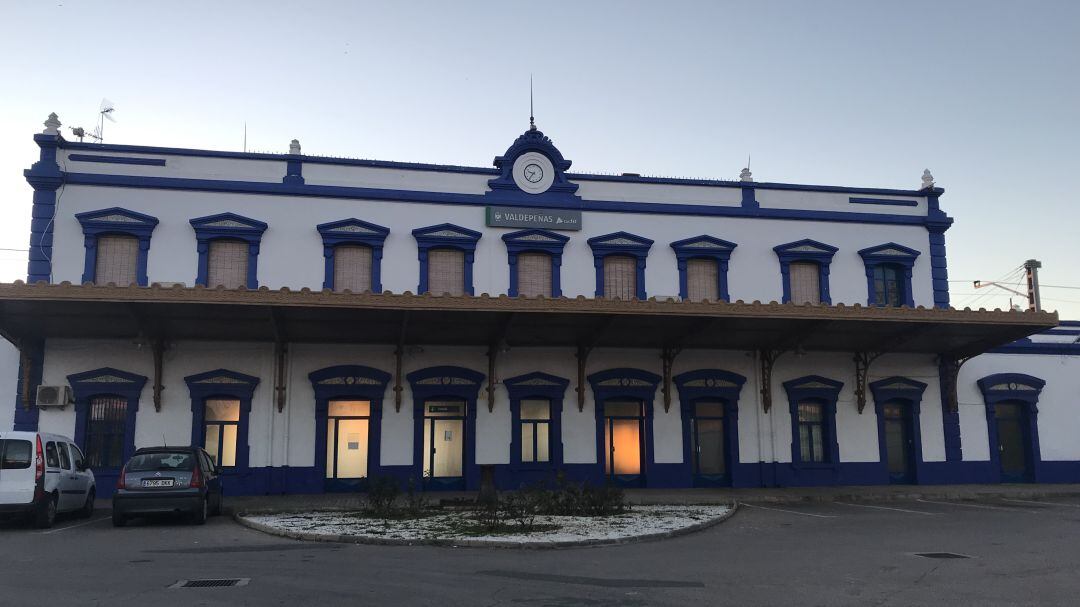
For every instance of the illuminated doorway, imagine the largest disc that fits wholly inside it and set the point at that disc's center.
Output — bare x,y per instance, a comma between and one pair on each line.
624,442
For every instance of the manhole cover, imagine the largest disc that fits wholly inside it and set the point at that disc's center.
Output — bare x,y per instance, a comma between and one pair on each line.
214,583
942,555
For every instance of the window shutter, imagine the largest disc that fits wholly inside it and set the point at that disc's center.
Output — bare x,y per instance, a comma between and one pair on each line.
805,282
620,277
352,268
701,280
117,260
227,264
446,272
534,274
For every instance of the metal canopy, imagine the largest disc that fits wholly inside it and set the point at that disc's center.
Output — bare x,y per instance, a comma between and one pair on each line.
31,312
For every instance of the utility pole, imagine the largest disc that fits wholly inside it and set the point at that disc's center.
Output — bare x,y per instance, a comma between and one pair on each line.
1032,266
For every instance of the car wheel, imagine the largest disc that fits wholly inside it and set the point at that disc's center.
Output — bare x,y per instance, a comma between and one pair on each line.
88,508
46,514
118,520
201,512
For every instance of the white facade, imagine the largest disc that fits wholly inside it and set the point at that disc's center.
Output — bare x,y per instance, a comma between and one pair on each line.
284,449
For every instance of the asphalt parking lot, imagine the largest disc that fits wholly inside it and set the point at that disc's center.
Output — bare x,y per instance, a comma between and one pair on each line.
998,552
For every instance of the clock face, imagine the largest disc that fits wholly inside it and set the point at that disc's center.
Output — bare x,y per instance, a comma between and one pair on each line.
533,173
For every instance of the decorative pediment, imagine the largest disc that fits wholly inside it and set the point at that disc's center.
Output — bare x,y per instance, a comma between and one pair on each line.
537,382
812,384
117,220
446,231
350,381
889,251
703,243
221,379
352,231
620,242
710,383
897,385
107,379
1012,387
624,381
805,248
227,224
445,381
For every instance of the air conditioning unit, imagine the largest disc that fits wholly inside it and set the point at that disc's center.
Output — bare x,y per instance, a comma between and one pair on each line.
53,396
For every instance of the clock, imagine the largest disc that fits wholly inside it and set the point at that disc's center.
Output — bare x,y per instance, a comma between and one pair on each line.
533,173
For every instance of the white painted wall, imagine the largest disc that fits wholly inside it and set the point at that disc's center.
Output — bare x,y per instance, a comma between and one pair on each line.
291,252
9,384
1059,403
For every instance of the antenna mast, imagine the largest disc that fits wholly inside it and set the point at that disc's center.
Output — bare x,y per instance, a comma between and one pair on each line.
532,120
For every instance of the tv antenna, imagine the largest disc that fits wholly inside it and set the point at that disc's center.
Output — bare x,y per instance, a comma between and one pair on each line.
80,132
532,121
105,112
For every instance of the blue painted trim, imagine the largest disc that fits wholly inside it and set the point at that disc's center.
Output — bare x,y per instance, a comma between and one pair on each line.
638,248
157,162
324,191
504,187
711,384
45,177
525,241
1026,346
250,232
824,391
294,170
540,386
356,382
715,249
428,238
457,383
26,416
137,149
876,256
950,420
84,389
1069,323
370,235
1029,397
822,257
625,383
1061,332
884,201
140,226
937,222
749,197
241,387
910,392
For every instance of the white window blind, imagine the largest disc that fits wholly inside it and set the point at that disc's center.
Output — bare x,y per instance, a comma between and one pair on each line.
227,264
701,280
446,272
620,277
534,274
352,268
117,260
805,282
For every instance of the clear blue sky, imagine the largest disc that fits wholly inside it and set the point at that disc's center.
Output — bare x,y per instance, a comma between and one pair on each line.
985,94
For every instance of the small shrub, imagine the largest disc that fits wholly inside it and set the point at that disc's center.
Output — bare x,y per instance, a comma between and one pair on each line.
415,501
523,506
382,494
489,513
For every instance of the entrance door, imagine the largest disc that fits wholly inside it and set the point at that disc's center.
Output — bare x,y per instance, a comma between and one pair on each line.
444,444
707,449
899,447
623,448
347,436
1012,442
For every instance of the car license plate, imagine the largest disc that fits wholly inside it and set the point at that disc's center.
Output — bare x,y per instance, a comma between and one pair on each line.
158,482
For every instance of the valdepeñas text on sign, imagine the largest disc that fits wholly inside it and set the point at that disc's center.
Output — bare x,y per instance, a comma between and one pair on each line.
551,219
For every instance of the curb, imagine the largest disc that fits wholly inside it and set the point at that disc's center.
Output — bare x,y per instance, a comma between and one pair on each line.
242,519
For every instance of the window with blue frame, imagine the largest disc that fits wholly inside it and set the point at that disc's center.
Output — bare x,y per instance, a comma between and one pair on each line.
811,432
804,271
446,254
619,260
812,404
228,246
888,275
220,430
117,245
353,255
703,265
535,431
535,260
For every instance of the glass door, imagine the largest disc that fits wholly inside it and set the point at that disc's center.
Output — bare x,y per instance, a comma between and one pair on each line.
623,448
898,442
444,444
707,445
1012,444
347,437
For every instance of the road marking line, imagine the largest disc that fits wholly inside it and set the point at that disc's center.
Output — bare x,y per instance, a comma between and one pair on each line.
1041,503
788,511
97,520
980,506
888,508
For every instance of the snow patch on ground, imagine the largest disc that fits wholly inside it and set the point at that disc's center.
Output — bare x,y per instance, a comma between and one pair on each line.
641,521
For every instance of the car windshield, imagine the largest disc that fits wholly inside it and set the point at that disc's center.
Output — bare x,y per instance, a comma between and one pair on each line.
146,462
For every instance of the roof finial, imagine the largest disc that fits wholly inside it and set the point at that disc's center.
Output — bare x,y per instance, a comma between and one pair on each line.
294,146
745,174
52,125
532,120
927,180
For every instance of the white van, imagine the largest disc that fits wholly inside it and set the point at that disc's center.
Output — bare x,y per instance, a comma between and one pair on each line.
42,475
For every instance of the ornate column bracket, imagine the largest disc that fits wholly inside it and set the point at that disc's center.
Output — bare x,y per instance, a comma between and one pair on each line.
158,348
768,359
399,352
667,356
950,371
863,360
